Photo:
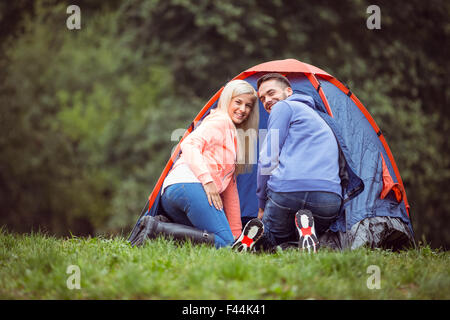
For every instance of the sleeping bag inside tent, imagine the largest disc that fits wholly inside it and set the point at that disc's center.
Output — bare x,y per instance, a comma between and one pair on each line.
378,216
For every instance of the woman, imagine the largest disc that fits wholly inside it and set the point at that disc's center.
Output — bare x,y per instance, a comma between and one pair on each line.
200,193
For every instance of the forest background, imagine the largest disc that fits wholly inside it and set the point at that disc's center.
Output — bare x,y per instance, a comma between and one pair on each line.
87,114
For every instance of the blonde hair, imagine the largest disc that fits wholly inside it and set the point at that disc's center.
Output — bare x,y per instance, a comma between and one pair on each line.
246,152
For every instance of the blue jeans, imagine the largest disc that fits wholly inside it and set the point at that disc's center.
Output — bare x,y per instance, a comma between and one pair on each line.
186,203
281,207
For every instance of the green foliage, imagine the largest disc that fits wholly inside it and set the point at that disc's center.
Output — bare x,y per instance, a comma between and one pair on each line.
84,128
35,267
87,115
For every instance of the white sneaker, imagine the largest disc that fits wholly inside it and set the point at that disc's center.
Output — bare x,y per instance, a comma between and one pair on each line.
304,222
252,232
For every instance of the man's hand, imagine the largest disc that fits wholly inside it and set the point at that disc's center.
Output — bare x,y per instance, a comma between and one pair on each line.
260,213
213,195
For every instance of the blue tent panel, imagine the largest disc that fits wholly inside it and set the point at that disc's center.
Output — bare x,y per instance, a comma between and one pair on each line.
366,149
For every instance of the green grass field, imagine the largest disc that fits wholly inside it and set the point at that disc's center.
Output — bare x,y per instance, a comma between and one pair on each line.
35,267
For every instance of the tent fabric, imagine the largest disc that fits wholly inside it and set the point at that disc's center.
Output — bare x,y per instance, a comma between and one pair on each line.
389,185
365,147
368,152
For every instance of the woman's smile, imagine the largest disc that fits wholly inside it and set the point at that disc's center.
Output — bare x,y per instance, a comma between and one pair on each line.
240,107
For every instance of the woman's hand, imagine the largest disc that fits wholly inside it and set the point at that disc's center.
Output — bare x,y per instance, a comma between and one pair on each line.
213,195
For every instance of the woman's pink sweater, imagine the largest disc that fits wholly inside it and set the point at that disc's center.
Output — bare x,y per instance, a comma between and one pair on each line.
210,151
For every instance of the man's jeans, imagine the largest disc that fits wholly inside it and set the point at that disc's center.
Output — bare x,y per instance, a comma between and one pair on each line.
281,207
186,203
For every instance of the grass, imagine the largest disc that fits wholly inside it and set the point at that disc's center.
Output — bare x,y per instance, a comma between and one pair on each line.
34,266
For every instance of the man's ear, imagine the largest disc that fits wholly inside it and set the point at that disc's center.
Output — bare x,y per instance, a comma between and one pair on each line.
289,91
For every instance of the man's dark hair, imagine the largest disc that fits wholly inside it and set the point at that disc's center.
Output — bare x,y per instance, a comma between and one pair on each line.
274,76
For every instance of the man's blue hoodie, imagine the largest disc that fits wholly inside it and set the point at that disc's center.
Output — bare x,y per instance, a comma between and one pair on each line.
299,152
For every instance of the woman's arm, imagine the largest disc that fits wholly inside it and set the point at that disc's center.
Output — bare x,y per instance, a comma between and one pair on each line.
192,148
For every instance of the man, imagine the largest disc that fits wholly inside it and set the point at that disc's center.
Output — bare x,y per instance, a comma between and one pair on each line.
298,169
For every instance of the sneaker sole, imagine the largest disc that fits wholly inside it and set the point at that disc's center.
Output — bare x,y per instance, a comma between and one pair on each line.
252,232
304,222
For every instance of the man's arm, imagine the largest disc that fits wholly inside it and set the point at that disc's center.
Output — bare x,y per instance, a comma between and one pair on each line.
277,131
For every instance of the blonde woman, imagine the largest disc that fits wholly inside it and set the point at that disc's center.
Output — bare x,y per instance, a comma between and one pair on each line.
200,193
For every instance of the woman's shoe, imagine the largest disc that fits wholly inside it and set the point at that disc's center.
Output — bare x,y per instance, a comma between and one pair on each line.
252,232
304,222
142,231
153,227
